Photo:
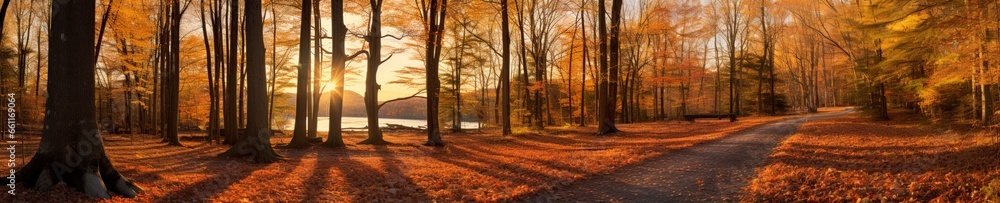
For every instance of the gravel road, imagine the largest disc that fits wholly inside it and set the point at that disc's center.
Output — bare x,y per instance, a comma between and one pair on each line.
715,171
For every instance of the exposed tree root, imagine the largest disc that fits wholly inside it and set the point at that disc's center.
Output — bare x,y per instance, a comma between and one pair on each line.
96,179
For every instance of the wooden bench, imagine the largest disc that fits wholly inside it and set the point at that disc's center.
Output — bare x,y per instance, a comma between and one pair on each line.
691,117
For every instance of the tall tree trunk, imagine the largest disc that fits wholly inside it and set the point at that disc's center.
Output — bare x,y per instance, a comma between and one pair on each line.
606,119
505,70
211,83
257,140
613,58
3,13
302,92
338,60
242,85
173,77
456,121
38,62
524,64
569,79
72,152
229,105
372,87
317,93
274,65
219,62
583,74
434,24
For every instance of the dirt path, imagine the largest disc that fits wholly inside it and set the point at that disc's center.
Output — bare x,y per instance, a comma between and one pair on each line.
712,172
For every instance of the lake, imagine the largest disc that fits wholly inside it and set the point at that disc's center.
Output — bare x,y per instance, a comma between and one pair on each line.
361,122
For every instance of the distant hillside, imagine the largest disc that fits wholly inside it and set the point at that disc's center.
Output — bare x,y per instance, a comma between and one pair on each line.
354,106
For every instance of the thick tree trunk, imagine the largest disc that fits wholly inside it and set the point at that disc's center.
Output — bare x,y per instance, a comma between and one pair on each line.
606,119
257,140
71,149
372,87
505,70
173,78
299,139
435,29
613,60
338,60
229,105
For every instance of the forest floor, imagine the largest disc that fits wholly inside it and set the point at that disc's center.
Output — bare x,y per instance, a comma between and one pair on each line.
906,159
715,171
482,167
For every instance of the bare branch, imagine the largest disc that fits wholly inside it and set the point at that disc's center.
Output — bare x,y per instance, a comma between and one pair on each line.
403,98
356,54
386,59
394,37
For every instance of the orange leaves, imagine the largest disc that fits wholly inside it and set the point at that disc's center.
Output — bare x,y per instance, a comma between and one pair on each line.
472,168
852,159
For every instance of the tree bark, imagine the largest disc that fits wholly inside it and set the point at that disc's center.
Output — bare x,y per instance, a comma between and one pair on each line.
302,92
505,70
434,24
71,149
257,140
229,105
317,71
171,116
211,83
606,119
372,87
338,60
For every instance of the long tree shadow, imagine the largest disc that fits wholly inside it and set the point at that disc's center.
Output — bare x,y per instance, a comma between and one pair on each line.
500,170
210,188
318,178
546,163
368,184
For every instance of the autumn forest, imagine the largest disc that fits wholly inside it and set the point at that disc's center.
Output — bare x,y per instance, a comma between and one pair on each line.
501,100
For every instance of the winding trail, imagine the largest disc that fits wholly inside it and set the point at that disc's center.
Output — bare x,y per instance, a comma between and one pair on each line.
715,171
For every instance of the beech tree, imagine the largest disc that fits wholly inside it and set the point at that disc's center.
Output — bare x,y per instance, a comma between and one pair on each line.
374,39
172,90
256,141
338,60
71,147
302,91
606,90
434,18
229,105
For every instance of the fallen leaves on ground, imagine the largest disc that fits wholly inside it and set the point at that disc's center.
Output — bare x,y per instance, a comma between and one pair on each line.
475,166
854,159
